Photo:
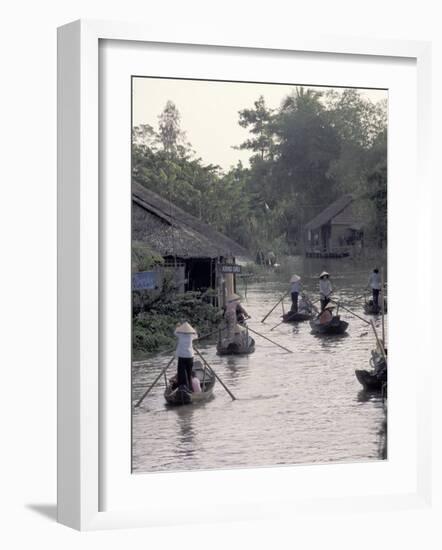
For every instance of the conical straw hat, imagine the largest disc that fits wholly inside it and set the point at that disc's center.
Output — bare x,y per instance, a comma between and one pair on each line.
323,274
185,328
329,306
233,298
295,278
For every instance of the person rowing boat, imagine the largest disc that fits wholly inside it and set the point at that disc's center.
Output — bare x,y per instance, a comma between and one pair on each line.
185,334
304,312
325,289
237,339
374,282
235,311
328,323
295,291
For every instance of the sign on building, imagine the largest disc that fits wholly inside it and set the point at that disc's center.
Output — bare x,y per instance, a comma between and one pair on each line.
230,268
145,280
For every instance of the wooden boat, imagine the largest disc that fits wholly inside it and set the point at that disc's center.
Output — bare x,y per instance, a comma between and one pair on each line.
369,380
371,309
232,348
335,326
296,317
376,378
180,395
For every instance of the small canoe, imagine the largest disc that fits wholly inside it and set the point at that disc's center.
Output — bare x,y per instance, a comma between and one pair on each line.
296,317
181,395
371,309
335,326
232,348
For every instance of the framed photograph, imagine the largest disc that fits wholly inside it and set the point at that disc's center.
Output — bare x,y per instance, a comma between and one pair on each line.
233,223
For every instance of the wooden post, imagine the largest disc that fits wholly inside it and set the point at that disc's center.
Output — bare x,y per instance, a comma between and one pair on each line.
229,281
382,306
211,284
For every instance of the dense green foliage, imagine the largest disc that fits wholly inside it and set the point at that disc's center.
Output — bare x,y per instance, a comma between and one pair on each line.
154,328
304,155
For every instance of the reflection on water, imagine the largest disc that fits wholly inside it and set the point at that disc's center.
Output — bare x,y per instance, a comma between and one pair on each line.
305,407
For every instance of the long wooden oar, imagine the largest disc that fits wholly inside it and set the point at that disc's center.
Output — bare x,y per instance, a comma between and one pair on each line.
274,307
208,334
271,341
283,321
383,306
350,311
356,298
163,371
381,346
280,323
214,373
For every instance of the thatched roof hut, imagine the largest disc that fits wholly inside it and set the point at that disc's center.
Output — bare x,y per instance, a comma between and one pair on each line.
171,231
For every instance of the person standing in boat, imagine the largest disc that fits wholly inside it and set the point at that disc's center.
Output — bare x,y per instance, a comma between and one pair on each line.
235,312
184,352
295,291
325,289
374,282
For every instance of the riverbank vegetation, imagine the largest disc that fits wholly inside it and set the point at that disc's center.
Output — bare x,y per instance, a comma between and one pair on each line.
156,313
153,328
315,147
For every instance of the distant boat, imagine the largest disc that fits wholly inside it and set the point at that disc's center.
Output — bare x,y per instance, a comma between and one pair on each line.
180,395
335,326
296,317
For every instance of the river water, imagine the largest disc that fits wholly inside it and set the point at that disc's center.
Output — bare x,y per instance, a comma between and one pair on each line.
300,408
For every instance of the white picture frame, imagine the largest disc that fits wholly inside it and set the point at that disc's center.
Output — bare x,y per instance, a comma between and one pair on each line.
79,294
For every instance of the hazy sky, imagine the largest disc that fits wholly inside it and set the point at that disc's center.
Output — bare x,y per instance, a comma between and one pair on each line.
209,111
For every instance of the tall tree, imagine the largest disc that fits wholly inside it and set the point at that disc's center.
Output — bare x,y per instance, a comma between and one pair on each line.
172,138
308,144
259,122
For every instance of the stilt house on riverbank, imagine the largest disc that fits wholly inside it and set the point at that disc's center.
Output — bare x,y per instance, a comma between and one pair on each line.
193,250
334,232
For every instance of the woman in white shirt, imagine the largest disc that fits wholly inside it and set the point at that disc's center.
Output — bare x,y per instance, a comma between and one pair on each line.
184,352
325,289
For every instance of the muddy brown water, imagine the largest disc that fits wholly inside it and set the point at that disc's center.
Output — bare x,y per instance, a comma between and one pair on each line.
300,408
